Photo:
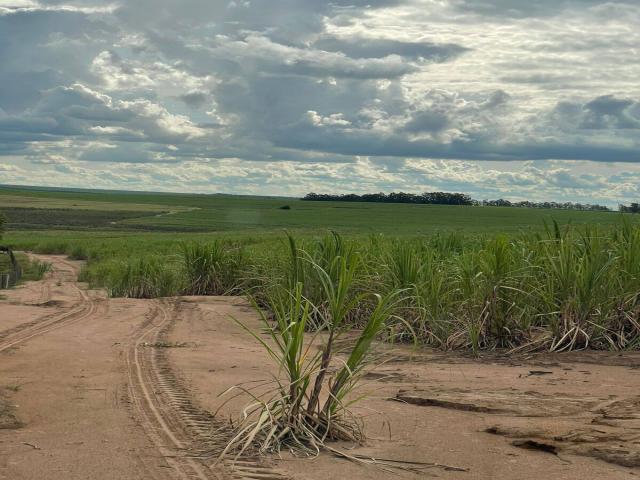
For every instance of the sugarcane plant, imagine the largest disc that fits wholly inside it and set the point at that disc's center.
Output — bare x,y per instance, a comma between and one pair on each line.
306,404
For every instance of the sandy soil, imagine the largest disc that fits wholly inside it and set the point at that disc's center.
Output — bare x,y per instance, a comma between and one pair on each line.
565,417
102,388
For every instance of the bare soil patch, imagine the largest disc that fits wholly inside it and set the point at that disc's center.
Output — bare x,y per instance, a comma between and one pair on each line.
524,418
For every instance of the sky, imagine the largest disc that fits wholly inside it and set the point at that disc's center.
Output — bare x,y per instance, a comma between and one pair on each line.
498,99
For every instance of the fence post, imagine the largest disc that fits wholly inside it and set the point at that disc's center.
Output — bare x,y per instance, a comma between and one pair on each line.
11,278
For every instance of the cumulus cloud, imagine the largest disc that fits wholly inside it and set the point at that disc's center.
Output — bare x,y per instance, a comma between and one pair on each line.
452,83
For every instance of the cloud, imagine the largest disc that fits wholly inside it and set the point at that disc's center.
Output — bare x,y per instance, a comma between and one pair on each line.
242,85
523,9
258,52
194,98
605,112
608,111
366,47
78,111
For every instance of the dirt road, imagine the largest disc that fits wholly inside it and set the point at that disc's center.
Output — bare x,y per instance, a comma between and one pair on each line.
97,388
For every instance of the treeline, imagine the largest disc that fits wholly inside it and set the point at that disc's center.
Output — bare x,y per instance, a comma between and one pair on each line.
446,198
633,208
553,205
430,198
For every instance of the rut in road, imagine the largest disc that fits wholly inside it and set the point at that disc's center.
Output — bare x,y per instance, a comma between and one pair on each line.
84,308
188,438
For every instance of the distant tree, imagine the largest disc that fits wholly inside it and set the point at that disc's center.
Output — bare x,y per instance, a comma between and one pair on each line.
3,221
633,208
446,198
432,198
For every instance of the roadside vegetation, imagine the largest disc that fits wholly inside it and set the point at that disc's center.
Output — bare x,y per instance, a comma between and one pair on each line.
32,269
564,288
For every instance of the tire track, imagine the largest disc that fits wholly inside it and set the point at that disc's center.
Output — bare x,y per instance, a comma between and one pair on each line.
186,436
155,418
45,292
58,275
21,333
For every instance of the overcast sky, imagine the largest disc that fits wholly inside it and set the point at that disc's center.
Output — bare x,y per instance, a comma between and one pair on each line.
504,98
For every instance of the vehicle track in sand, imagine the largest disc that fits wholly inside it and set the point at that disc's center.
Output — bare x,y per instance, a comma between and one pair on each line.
104,394
84,308
189,438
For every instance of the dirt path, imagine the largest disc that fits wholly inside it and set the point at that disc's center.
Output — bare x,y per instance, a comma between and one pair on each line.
77,376
97,388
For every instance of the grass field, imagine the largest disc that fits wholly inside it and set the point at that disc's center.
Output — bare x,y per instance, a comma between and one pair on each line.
224,213
471,277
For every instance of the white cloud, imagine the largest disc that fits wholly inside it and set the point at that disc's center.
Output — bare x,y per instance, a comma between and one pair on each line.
355,91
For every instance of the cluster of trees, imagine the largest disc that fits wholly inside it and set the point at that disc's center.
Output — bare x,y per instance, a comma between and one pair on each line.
430,198
445,198
554,205
633,208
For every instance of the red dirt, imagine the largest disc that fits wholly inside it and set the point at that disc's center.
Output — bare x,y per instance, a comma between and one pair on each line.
97,388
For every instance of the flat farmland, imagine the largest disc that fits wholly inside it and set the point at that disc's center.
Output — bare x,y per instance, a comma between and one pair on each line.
228,213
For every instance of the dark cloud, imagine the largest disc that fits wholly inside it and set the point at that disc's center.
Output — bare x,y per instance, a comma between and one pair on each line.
606,112
524,8
368,143
362,47
497,99
195,99
610,112
22,89
427,122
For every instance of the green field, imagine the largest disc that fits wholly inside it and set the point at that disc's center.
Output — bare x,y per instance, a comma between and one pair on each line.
470,277
128,211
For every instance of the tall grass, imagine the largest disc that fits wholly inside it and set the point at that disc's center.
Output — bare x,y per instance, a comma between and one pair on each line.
32,269
212,268
567,288
145,277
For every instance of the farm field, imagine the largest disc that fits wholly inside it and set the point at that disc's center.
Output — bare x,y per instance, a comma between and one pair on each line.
105,388
226,213
509,335
307,240
476,277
